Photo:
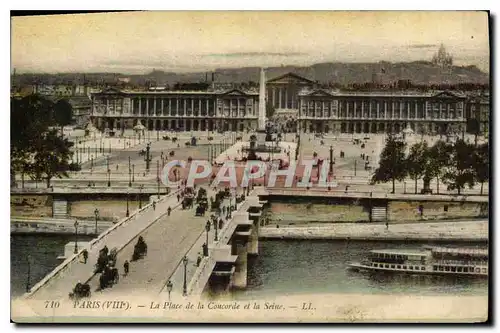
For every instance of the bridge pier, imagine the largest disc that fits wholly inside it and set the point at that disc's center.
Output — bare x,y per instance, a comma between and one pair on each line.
239,245
253,243
254,214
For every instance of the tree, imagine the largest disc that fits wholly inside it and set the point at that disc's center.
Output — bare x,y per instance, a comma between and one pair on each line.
392,163
459,171
417,161
438,159
36,150
63,113
52,155
30,116
482,164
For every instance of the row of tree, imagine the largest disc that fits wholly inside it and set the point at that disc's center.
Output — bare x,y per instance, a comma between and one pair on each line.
37,148
455,164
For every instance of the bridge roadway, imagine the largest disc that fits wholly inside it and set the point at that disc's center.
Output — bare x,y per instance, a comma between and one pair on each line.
169,238
58,283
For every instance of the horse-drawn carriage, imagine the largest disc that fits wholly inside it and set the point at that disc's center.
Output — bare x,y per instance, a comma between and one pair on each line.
80,291
140,249
187,202
109,277
202,208
105,259
112,257
142,152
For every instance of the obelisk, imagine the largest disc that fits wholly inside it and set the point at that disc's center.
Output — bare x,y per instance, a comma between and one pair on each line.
262,101
261,120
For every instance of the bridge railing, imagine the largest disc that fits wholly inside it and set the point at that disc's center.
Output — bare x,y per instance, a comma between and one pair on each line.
68,263
204,271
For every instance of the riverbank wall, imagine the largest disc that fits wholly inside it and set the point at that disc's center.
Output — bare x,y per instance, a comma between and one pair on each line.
475,231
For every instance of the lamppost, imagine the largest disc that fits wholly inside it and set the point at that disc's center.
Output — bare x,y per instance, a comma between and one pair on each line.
147,159
184,287
216,231
158,177
28,279
140,196
133,173
169,288
207,228
109,177
331,159
96,213
76,237
129,173
128,211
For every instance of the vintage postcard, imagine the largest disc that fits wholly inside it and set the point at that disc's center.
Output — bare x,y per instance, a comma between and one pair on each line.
239,167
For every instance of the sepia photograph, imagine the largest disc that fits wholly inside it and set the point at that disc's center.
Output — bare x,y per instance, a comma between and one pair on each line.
250,167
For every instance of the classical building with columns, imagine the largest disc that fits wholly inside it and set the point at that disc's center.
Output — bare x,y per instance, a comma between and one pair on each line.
233,110
282,92
316,110
380,112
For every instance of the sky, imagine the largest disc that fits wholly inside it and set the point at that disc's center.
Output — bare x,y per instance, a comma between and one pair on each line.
189,41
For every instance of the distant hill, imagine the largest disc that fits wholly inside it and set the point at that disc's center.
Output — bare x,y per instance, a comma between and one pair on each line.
419,72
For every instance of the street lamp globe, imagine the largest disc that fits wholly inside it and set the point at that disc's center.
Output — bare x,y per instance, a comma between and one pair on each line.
185,261
207,226
170,286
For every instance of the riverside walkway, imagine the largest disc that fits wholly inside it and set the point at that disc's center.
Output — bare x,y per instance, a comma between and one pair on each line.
444,231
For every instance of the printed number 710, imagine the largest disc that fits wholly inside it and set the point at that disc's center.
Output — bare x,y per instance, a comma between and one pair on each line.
51,304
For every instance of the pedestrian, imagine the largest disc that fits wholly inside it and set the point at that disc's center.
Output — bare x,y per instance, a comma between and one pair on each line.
154,205
198,261
117,167
178,198
387,225
169,210
126,267
85,256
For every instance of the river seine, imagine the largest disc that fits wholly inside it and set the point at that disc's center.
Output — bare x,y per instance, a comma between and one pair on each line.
284,267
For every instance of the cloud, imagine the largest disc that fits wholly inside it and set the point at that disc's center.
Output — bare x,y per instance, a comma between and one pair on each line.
422,46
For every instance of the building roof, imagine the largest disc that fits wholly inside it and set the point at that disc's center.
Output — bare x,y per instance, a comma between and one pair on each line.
291,77
407,252
116,91
405,93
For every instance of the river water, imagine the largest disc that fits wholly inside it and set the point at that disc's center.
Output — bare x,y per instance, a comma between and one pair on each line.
283,267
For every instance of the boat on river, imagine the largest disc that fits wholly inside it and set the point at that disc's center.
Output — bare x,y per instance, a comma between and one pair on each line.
428,260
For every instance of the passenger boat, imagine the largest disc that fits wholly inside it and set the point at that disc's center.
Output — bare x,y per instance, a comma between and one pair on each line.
427,260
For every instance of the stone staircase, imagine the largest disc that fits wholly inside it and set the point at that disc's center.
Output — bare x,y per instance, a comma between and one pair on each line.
379,213
59,208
